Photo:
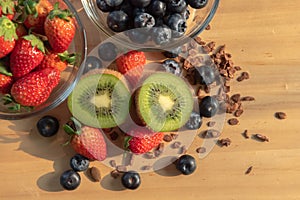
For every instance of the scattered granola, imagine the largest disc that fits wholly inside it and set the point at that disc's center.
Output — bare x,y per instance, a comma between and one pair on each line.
224,142
280,115
260,137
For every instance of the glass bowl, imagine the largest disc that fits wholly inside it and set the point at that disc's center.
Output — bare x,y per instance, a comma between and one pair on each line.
69,76
199,19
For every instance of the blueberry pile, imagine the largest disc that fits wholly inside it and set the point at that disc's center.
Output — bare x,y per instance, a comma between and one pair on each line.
160,20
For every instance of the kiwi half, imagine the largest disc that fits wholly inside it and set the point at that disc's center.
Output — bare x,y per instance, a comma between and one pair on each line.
164,102
100,100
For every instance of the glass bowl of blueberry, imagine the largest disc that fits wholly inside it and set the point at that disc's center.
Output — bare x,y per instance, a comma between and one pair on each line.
151,23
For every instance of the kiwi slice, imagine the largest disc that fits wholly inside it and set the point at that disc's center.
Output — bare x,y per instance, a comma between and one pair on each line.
100,100
164,102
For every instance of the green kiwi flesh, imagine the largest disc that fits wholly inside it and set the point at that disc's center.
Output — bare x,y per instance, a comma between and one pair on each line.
100,100
164,102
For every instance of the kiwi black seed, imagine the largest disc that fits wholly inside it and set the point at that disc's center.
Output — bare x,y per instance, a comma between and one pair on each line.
164,102
100,100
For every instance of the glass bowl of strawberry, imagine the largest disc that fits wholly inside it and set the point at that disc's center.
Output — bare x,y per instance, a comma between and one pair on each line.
151,23
42,54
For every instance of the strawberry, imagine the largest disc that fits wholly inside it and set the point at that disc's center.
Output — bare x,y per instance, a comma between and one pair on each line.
36,12
142,141
8,36
131,65
6,79
27,54
59,61
85,140
60,29
7,8
35,87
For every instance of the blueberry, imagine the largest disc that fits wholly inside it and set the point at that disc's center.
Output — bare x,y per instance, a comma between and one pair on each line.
173,53
79,163
138,35
118,21
113,3
127,8
186,14
208,106
197,4
103,6
161,35
48,126
186,164
205,75
107,51
172,66
177,6
157,8
178,25
137,11
131,180
144,20
140,3
194,122
159,21
70,180
91,63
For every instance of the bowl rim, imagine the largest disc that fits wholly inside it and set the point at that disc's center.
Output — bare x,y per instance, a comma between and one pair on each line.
67,92
91,15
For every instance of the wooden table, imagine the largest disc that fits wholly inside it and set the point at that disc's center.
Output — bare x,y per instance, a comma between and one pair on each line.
264,38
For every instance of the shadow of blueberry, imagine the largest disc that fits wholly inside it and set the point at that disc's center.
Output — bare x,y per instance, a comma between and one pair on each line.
113,184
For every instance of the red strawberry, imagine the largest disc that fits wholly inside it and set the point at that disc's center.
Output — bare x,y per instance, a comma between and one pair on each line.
8,36
142,141
27,54
6,79
59,61
131,65
87,141
37,12
35,87
5,83
60,29
7,8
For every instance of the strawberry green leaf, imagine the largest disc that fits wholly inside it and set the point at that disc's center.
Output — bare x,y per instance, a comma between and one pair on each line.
62,14
30,7
76,123
126,142
3,69
7,6
70,58
7,99
68,129
35,42
15,107
7,29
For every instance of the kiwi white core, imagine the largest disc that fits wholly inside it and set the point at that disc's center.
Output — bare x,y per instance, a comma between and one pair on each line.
165,102
101,100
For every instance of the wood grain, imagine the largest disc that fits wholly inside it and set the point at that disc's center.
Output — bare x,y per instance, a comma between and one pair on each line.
264,38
